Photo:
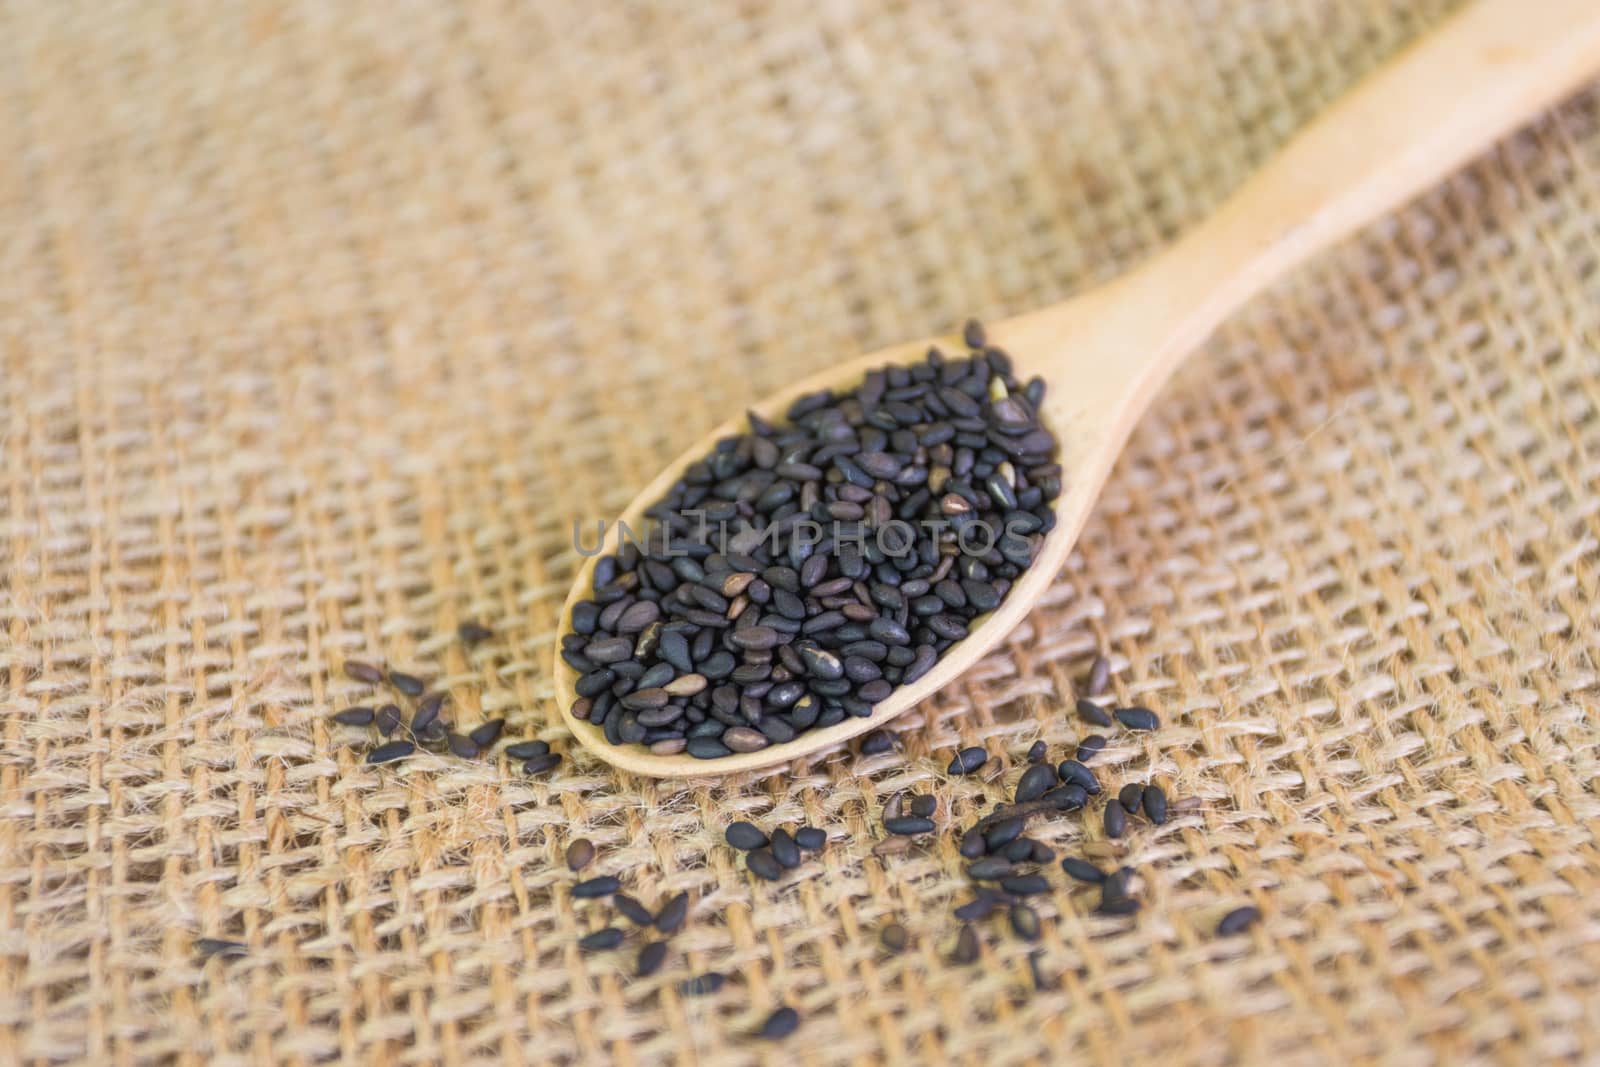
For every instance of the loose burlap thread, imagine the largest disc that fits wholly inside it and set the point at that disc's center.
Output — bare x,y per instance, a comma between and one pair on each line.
320,325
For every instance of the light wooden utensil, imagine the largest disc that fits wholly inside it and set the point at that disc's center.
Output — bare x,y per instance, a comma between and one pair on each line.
1104,354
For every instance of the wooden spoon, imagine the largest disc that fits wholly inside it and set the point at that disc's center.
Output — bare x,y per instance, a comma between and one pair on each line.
1105,353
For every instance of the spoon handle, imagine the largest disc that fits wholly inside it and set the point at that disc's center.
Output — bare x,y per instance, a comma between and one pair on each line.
1485,71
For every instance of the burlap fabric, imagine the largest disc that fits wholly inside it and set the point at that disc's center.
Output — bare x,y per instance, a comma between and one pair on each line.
321,323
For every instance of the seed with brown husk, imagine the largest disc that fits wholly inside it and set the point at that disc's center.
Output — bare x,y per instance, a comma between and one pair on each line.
894,938
579,854
966,950
968,760
1024,922
363,672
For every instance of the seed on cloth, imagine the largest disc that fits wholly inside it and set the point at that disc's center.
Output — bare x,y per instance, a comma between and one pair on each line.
1238,921
393,750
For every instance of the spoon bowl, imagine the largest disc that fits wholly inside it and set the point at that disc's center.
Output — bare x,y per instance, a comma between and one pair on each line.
1105,353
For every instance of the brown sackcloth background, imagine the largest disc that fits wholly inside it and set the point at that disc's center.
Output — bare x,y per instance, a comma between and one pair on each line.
321,323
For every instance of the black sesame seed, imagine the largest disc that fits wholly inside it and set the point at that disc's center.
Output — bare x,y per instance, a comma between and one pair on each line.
1238,921
811,838
1093,713
1072,772
601,940
363,672
909,825
973,335
427,711
1024,922
973,910
1138,718
632,910
487,733
1037,752
471,633
966,950
651,957
1083,870
1116,819
989,869
672,914
1034,782
409,684
353,717
461,745
527,749
784,849
1025,885
1155,804
972,844
1042,853
745,836
579,854
388,719
1089,746
1003,833
968,760
780,1024
602,886
702,984
1118,906
763,865
540,764
924,805
1019,850
1131,796
391,751
221,948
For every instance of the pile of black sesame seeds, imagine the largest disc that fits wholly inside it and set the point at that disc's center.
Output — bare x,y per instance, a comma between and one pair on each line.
800,573
427,727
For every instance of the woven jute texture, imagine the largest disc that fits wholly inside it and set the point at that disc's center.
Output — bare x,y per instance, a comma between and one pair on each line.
320,325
